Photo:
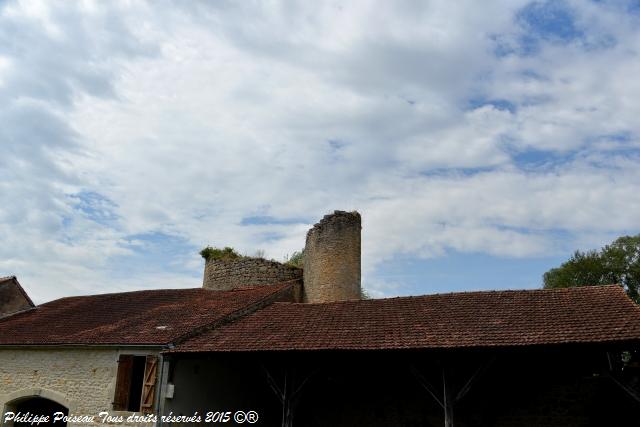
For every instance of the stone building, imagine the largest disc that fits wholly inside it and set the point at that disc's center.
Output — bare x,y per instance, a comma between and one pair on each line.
88,354
299,347
13,299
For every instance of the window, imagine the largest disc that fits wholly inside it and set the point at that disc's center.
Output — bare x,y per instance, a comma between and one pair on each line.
135,384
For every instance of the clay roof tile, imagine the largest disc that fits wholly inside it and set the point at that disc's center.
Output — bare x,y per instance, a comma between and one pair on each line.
456,320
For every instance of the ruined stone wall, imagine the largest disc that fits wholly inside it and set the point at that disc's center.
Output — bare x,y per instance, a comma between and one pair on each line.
332,259
226,274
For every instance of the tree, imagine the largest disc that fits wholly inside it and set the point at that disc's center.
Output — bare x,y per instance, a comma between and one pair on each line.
617,263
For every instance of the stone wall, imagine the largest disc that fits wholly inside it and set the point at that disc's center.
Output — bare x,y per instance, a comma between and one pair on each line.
332,259
13,299
82,380
225,274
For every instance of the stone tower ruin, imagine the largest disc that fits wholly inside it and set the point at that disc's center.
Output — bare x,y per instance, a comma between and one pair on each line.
332,259
331,270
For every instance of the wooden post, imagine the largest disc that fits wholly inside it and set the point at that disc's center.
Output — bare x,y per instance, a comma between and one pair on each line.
288,393
447,400
287,412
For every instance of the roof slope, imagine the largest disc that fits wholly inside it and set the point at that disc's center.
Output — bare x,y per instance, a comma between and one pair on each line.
456,320
142,317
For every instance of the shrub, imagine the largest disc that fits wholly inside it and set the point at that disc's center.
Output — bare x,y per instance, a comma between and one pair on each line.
216,253
295,260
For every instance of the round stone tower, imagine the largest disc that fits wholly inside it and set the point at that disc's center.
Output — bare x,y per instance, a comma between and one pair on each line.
332,259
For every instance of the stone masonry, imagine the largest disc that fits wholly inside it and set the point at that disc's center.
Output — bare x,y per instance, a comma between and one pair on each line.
83,380
332,259
13,299
225,274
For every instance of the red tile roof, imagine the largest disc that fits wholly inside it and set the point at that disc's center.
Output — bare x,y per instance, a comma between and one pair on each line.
144,317
471,319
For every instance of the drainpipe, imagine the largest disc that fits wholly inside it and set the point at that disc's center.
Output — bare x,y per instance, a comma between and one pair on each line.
162,387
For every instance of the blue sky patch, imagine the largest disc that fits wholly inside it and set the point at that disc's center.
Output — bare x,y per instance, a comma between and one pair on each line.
95,207
534,159
550,20
629,6
623,136
268,220
269,236
153,252
465,272
544,22
336,144
451,172
499,104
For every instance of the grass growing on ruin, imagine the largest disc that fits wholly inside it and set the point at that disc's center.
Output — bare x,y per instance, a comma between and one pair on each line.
295,260
227,252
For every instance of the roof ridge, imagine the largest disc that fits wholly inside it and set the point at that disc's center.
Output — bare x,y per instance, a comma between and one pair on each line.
241,289
72,297
138,291
247,310
481,292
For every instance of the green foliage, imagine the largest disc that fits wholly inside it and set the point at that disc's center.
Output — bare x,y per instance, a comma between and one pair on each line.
296,259
216,253
617,263
582,269
364,294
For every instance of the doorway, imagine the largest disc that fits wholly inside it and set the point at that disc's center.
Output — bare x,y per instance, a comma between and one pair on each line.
36,405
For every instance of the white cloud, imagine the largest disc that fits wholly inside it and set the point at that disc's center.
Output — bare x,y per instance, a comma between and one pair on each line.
186,118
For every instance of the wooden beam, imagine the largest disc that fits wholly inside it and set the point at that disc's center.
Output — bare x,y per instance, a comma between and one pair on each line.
628,389
275,387
477,374
426,385
634,393
288,392
298,391
609,361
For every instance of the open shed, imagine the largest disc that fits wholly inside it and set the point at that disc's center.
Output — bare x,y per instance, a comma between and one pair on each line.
563,357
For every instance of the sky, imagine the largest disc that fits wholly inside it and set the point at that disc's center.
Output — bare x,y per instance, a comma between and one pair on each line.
482,142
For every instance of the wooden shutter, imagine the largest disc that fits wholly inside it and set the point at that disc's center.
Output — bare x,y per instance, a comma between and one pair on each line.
123,383
149,385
